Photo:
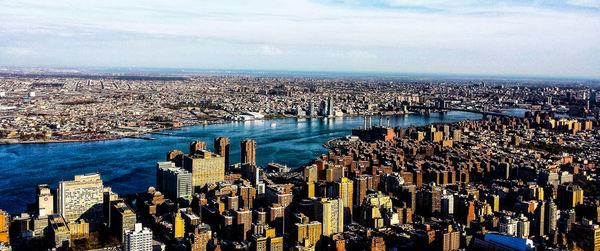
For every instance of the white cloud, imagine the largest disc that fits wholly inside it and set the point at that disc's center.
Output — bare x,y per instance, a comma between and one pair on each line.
18,52
468,36
269,50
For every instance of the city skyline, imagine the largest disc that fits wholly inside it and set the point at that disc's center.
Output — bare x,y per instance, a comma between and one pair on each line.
525,38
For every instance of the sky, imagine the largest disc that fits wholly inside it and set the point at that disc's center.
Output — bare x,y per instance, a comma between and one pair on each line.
477,37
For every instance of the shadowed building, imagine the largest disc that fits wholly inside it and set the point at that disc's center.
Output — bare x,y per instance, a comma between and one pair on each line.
248,148
222,145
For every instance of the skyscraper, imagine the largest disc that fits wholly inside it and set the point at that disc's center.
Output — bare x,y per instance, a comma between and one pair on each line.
330,107
540,215
221,145
4,225
81,198
311,108
248,156
330,212
123,219
344,191
197,146
174,182
138,239
178,225
206,168
45,201
551,217
569,196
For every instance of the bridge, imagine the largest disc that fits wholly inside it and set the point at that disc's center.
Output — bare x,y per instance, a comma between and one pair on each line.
484,112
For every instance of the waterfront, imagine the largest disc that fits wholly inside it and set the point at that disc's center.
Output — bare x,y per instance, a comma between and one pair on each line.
128,165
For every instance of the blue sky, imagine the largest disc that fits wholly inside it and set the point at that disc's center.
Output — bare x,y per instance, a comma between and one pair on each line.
528,37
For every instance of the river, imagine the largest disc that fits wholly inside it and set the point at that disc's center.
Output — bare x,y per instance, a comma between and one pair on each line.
128,165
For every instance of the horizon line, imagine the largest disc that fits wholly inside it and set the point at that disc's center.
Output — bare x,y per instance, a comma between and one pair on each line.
189,71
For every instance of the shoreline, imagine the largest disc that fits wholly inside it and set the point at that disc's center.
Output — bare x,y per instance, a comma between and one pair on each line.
200,123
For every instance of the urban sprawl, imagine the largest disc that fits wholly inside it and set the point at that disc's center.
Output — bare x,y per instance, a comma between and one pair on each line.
498,183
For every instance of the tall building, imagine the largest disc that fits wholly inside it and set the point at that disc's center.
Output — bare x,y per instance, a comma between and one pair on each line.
330,107
569,196
4,227
540,215
199,239
311,108
432,200
344,192
586,235
551,217
248,156
243,219
330,212
206,168
178,225
197,146
160,166
81,198
58,231
123,219
222,145
174,182
362,183
45,201
138,239
176,156
305,231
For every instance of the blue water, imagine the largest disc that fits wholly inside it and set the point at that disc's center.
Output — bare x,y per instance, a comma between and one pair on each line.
128,165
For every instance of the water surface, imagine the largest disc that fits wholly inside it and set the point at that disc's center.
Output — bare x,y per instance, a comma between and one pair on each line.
128,165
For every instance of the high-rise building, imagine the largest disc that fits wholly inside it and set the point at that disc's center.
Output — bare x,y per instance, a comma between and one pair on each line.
586,235
330,212
45,201
199,239
4,227
330,107
551,217
174,182
243,218
222,145
248,155
247,196
178,226
138,239
81,198
311,108
569,196
160,167
206,168
197,146
305,231
432,200
362,183
449,240
123,219
447,205
344,191
176,156
540,215
58,231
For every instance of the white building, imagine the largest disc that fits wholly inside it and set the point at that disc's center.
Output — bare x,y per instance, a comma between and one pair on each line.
138,239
